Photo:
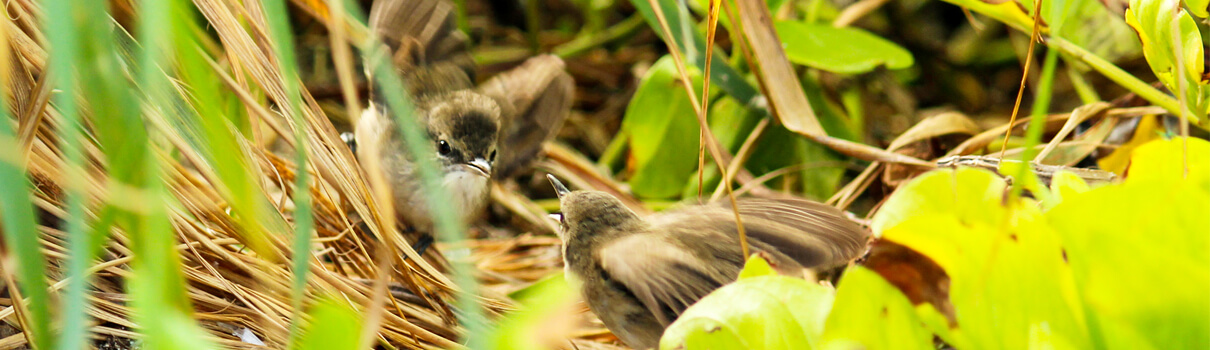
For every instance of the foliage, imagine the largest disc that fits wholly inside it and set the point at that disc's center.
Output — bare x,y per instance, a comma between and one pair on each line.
662,133
759,311
1174,49
1084,273
839,50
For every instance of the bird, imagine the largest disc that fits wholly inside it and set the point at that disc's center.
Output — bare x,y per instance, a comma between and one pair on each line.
478,133
638,274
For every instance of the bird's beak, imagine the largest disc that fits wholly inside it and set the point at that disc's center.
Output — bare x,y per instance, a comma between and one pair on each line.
559,188
482,166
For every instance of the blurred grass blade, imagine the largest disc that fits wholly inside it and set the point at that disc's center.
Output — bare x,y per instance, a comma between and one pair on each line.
67,53
20,225
158,290
279,30
333,325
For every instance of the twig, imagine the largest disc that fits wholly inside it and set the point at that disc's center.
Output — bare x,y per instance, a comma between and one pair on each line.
715,149
1029,57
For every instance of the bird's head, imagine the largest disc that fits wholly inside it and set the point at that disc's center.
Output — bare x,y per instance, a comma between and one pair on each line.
591,213
464,126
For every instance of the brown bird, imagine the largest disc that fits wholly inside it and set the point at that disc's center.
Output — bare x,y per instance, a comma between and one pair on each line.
639,274
478,133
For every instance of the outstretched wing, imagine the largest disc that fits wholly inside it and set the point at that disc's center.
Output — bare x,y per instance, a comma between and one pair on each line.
808,233
421,32
535,98
664,276
811,233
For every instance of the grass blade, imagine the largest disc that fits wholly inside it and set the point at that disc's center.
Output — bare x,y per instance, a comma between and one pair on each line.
19,223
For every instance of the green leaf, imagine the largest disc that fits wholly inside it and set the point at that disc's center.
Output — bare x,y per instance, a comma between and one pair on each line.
999,255
764,312
1161,305
1199,8
1164,161
839,50
1153,21
973,191
755,267
875,314
663,132
333,325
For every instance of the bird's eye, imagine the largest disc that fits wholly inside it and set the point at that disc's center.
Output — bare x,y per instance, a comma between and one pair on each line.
493,156
443,148
561,219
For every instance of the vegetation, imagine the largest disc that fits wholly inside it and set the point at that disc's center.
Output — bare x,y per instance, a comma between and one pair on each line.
172,175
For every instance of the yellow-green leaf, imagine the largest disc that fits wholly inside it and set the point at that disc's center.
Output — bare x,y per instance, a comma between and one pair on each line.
764,312
870,311
1138,251
1153,20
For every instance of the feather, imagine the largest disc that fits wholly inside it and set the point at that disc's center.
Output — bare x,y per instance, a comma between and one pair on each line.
535,98
664,276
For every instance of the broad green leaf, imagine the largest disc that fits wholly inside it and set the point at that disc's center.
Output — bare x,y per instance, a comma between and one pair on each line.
763,312
1008,276
1165,161
1153,20
1199,8
872,312
839,50
973,191
663,132
332,325
1151,228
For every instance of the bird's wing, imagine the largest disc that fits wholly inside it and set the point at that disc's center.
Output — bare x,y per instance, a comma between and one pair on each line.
811,233
535,98
664,276
421,32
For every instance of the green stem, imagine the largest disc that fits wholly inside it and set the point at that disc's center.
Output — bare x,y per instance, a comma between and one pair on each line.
1119,76
585,42
1087,93
279,30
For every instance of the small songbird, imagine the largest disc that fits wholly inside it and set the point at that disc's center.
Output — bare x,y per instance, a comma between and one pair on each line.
478,133
639,274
